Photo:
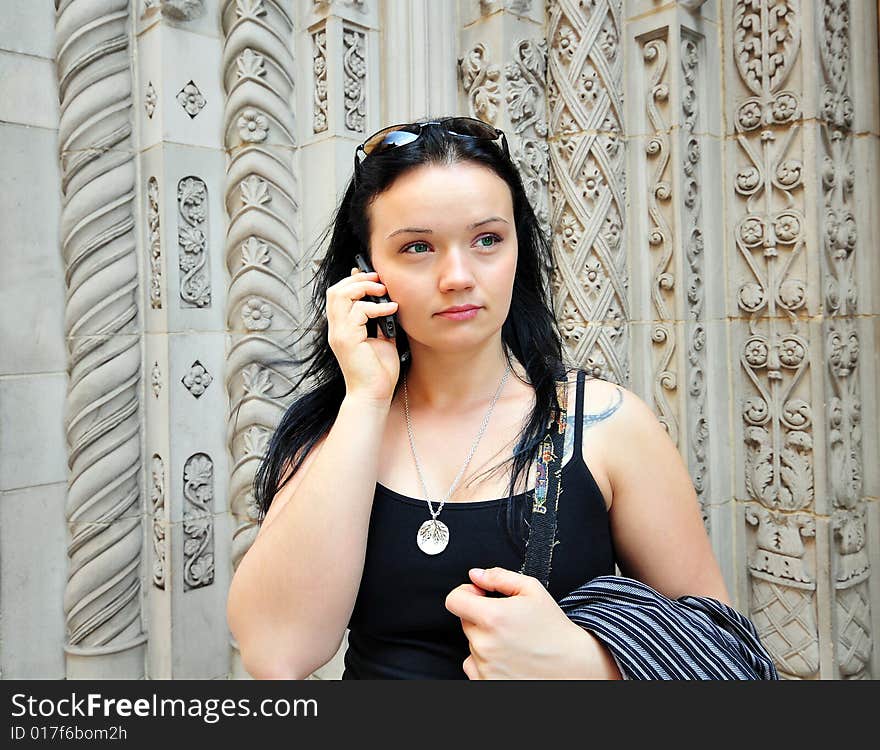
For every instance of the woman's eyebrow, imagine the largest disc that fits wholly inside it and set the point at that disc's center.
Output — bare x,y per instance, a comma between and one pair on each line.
420,230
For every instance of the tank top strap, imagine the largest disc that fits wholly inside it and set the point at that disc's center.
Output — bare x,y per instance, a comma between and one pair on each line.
579,413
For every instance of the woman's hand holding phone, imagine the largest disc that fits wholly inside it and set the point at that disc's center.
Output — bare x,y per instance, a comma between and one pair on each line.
370,366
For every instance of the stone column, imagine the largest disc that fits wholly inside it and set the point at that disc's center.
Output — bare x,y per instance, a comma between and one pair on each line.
795,300
418,60
586,179
339,63
843,242
262,251
181,163
675,244
102,599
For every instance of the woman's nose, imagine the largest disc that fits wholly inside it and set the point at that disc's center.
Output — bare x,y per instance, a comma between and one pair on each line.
455,271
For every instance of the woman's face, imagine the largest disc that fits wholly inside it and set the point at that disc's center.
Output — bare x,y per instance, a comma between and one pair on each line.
444,236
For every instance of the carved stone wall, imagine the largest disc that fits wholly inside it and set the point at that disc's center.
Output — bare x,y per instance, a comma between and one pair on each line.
707,172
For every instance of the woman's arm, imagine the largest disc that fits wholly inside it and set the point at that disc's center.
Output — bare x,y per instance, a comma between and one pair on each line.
294,591
658,533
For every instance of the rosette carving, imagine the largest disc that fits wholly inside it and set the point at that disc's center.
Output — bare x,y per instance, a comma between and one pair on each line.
103,592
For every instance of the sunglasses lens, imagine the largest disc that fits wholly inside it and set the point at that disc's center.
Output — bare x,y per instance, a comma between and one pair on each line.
398,135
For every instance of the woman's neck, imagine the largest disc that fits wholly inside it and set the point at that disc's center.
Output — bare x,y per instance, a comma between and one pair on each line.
456,382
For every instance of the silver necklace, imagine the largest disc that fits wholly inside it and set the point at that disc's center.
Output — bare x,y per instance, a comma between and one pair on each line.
433,535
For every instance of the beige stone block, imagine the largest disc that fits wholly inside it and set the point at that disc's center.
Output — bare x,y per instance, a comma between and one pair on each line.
866,198
32,629
33,449
28,90
32,284
39,20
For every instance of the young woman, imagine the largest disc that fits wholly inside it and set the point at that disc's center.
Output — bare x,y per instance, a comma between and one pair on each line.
395,490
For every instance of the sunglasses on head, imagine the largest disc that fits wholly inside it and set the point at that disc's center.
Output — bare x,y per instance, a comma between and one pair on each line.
386,139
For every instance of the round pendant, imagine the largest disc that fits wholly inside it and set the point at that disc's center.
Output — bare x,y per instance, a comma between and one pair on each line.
433,537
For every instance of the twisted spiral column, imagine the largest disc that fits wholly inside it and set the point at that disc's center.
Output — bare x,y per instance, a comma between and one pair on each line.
102,595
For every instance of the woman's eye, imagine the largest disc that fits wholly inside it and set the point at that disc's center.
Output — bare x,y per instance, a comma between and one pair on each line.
494,239
420,248
489,240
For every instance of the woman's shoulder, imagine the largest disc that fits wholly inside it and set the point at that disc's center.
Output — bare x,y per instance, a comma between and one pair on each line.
618,409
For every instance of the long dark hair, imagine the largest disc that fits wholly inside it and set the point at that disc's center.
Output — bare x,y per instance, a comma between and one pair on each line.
530,332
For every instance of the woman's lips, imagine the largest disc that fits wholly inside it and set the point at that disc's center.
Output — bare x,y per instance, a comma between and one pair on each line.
460,314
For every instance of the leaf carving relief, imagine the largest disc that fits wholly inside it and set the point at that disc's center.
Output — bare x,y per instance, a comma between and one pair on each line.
198,522
155,243
479,79
192,205
766,44
354,67
157,497
526,78
319,70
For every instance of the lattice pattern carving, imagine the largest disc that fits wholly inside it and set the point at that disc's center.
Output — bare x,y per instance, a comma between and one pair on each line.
584,86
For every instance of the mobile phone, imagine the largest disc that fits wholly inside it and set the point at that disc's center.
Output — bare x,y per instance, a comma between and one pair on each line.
388,322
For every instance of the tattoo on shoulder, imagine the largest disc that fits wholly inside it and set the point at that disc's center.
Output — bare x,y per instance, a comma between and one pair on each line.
589,419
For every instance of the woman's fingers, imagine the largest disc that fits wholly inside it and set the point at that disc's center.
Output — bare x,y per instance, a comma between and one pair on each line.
361,311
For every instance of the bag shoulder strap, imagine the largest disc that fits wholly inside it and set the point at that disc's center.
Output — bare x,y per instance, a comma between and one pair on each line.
545,499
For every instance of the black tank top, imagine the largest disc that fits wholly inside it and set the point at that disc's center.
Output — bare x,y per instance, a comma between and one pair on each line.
400,628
